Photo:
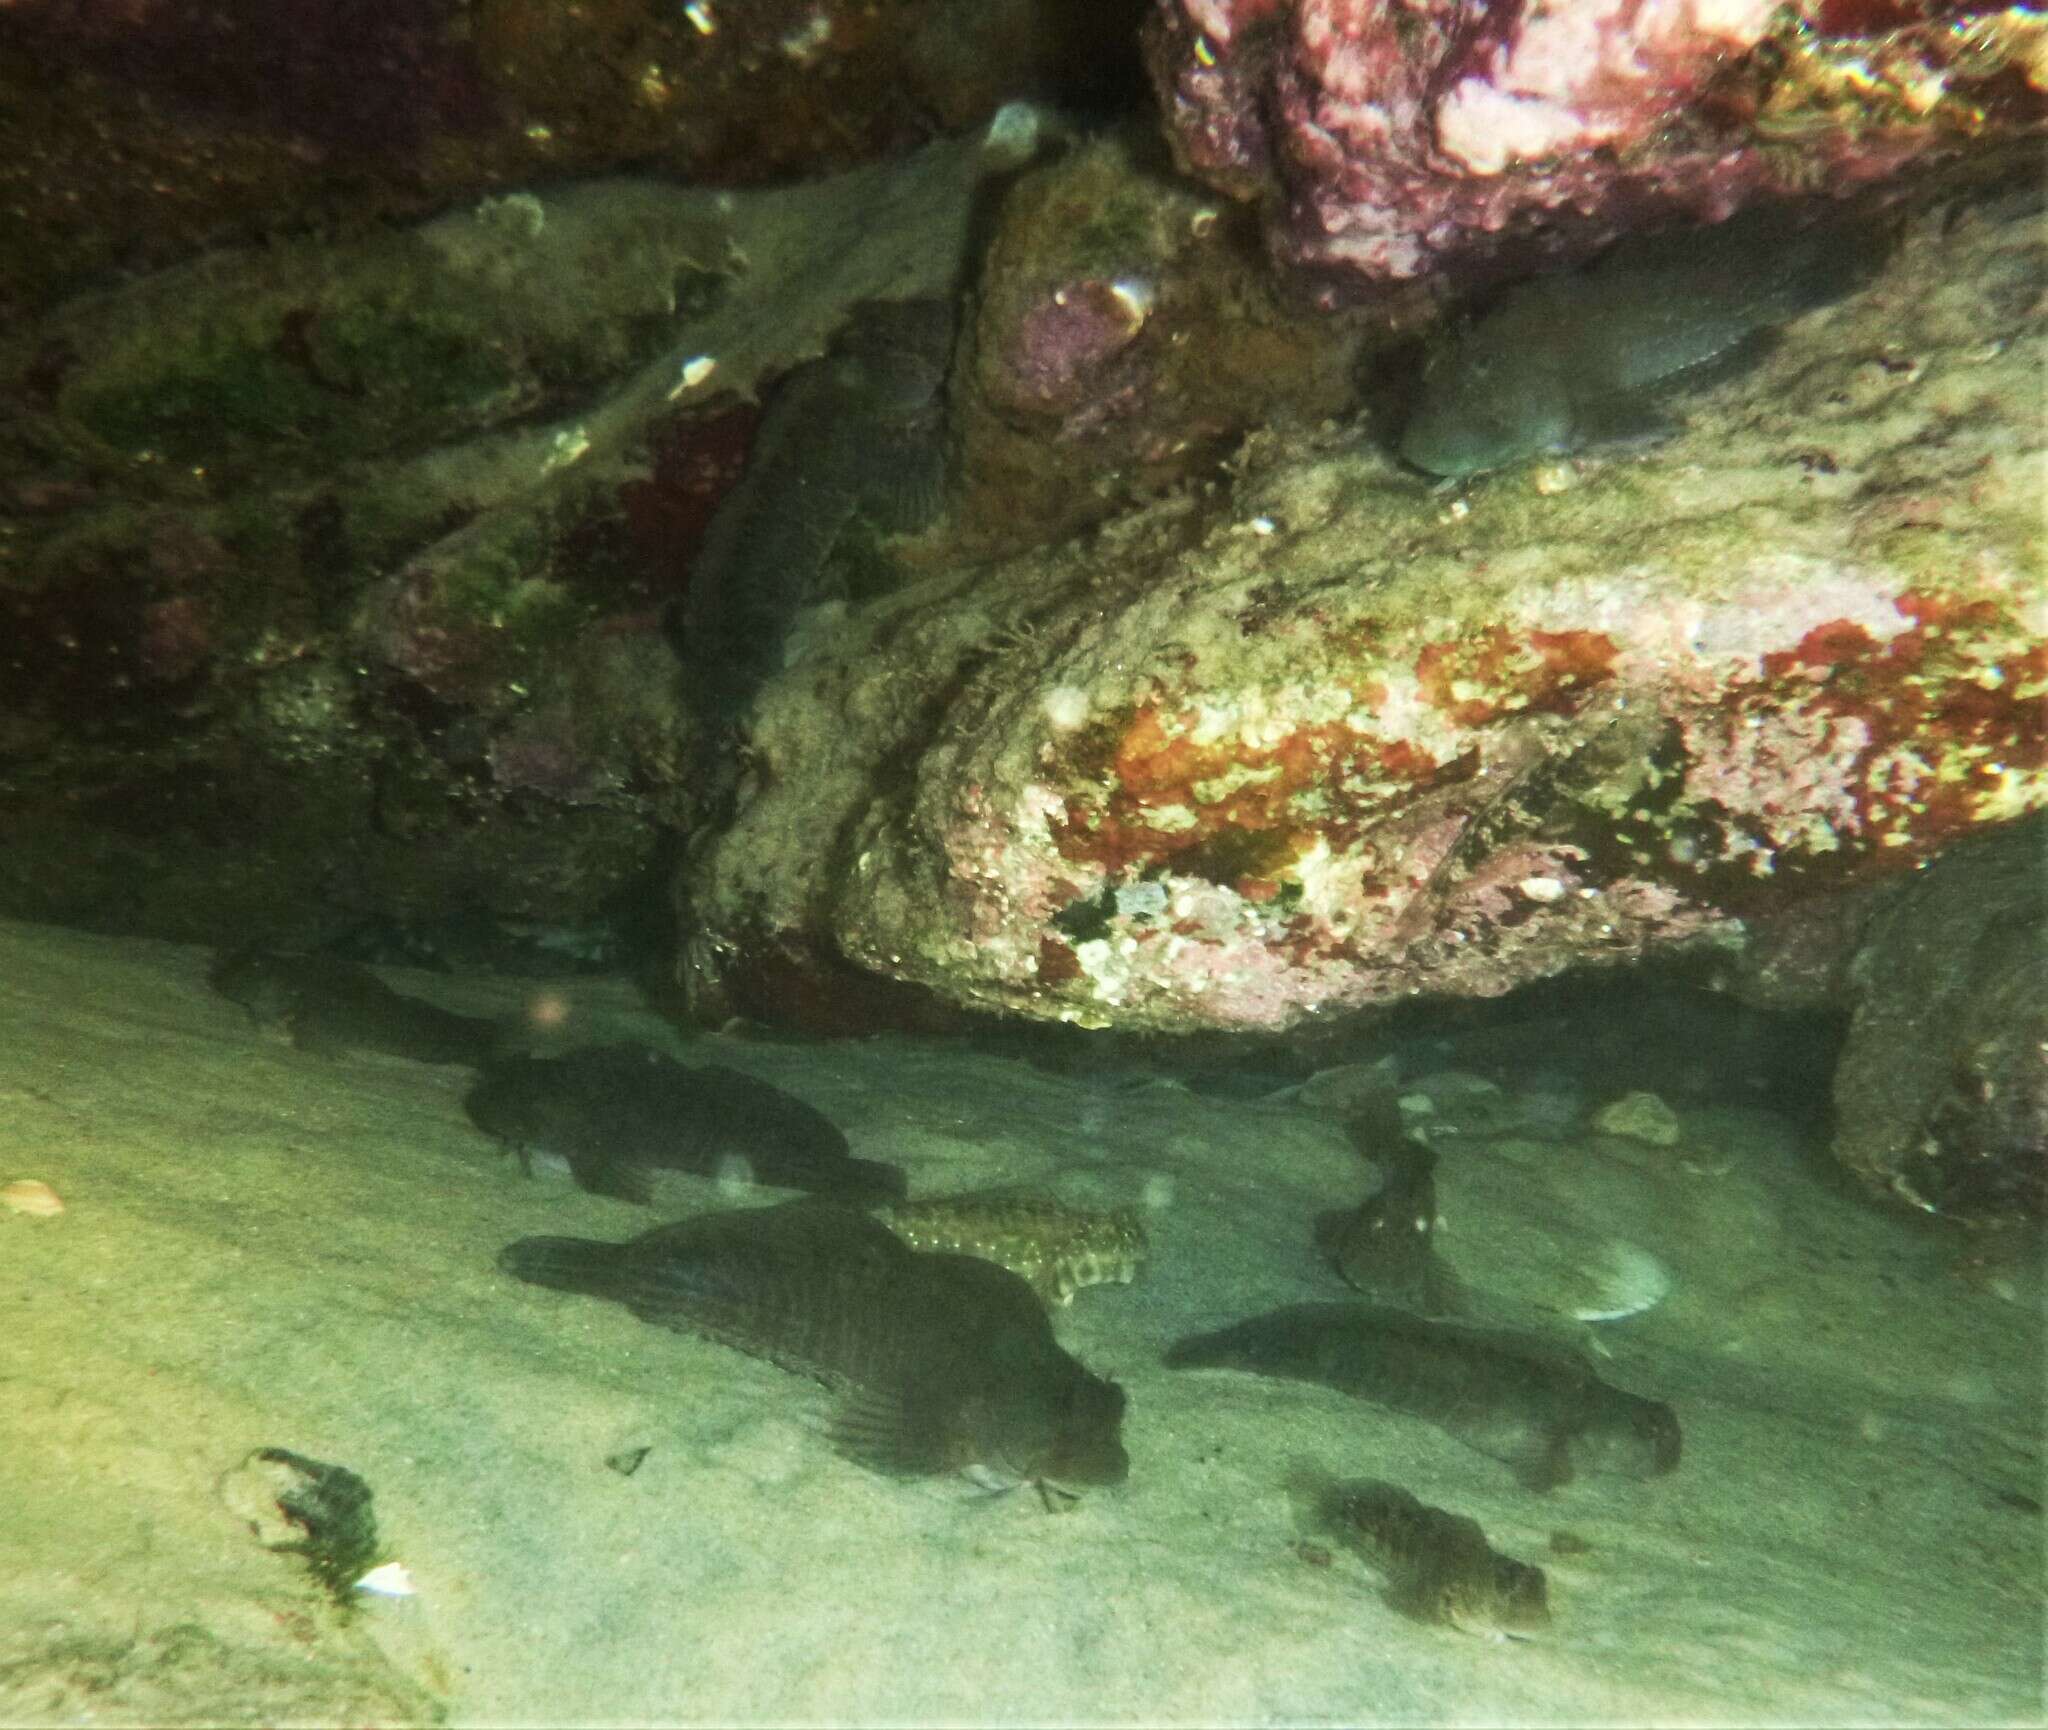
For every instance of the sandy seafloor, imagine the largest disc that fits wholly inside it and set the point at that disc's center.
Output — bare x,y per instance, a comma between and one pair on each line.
266,1248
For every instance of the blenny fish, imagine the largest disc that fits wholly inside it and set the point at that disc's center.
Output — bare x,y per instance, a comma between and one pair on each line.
1438,1566
1386,1248
1577,357
618,1113
857,434
1540,1410
1056,1248
943,1362
331,1005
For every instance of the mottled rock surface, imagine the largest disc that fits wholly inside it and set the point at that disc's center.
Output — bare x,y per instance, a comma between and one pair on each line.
333,582
1328,739
1941,1095
1395,149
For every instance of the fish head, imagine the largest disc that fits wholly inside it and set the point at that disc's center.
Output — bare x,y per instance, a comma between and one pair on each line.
1486,404
1636,1437
1064,1433
1506,1600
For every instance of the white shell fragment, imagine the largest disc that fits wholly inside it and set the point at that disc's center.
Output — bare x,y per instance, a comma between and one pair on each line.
33,1197
388,1580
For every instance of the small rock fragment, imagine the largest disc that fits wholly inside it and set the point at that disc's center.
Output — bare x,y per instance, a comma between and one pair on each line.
31,1196
1639,1117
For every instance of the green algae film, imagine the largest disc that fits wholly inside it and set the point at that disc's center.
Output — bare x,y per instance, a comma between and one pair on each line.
943,1362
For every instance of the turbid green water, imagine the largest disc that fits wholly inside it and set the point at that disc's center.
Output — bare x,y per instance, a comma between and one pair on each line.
265,1248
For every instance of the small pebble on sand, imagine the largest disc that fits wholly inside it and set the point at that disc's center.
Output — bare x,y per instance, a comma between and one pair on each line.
1640,1117
28,1195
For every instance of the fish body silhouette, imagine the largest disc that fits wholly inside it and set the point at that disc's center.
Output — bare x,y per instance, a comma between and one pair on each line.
1540,1410
943,1362
1058,1249
1580,357
330,1005
859,433
1386,1247
618,1113
1437,1565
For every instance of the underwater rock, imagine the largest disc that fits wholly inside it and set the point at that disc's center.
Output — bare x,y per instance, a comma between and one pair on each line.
1058,1249
1438,1566
335,586
943,1362
320,1511
1534,1407
1126,335
1387,146
330,1005
1324,740
619,1113
1941,1095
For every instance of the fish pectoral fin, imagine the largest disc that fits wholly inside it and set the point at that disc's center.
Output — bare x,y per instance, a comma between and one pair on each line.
892,1433
602,1176
1544,1462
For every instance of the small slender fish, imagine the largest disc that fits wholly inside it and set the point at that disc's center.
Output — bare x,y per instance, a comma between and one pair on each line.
331,1005
943,1363
1438,1566
1058,1249
1536,1408
619,1113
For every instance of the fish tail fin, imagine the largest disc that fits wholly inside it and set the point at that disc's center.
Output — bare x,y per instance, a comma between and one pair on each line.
578,1264
871,1180
1313,1494
603,1175
1226,1348
1804,270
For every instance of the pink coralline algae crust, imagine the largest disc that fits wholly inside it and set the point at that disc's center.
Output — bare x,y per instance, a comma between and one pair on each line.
1064,341
1417,827
1399,140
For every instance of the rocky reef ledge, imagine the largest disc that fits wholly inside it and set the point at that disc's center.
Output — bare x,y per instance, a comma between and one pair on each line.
1323,737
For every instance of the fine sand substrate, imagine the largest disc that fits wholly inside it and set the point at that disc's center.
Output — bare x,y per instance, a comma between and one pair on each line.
264,1248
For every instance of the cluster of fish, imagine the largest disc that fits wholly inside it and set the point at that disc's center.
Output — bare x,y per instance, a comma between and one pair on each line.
614,1114
930,1319
1539,1408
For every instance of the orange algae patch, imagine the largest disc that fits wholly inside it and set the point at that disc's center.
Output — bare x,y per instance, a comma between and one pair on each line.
1227,810
1482,675
1968,714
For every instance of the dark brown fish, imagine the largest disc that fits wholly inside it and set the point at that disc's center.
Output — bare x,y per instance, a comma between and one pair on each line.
944,1362
331,1005
619,1113
1437,1565
857,434
1538,1409
1386,1248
